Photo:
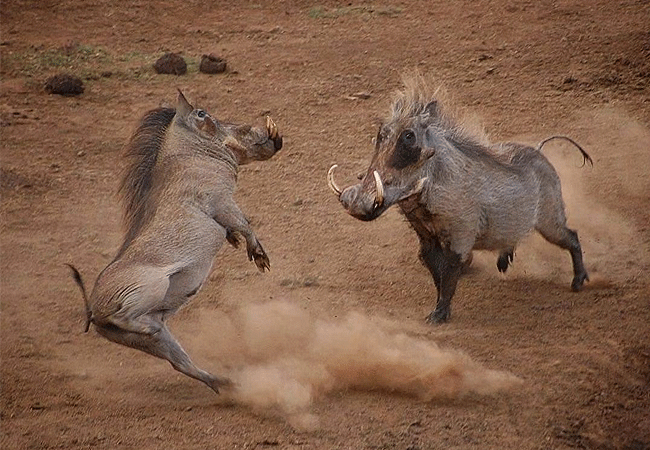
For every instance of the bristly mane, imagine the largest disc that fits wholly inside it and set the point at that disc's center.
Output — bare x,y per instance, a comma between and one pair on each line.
412,101
417,94
142,153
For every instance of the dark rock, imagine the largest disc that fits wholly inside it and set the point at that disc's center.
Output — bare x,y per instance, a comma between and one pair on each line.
64,84
171,63
212,64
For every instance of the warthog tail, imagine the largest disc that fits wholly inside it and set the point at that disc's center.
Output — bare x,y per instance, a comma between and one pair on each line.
585,155
77,278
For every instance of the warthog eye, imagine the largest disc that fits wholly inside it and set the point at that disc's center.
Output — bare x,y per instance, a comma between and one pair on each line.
408,137
406,152
201,114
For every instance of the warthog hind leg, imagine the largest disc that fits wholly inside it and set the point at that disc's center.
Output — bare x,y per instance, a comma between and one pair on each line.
138,325
136,301
568,239
504,260
162,344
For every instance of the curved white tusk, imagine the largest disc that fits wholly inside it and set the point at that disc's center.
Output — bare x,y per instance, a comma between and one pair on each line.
379,197
271,127
330,180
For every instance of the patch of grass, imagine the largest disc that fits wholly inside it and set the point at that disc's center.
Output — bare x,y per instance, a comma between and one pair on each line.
133,56
192,64
322,12
134,65
141,73
318,12
72,57
84,61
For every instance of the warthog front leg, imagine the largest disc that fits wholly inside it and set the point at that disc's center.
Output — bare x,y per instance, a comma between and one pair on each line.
232,239
233,220
445,267
253,247
162,344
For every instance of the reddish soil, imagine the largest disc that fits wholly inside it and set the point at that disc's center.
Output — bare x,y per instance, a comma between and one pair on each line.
523,69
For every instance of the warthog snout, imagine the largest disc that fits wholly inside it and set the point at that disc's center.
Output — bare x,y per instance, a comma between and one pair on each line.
370,198
364,204
252,143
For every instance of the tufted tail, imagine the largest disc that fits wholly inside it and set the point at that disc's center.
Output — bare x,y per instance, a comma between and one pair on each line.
77,278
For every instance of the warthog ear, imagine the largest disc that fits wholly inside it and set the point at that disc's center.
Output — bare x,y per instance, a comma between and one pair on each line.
183,107
432,108
210,125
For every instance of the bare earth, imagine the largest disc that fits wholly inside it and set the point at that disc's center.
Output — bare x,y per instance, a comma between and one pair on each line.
325,72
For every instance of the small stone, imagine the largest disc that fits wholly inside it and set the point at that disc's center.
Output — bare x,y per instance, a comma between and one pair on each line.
362,95
64,84
171,64
570,79
359,96
212,64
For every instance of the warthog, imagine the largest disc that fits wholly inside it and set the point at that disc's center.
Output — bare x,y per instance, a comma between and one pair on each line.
178,212
458,193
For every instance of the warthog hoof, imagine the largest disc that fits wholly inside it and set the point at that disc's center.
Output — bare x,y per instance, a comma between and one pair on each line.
578,281
440,315
258,255
505,259
219,383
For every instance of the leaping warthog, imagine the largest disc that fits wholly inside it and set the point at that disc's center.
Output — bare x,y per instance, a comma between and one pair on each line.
457,193
178,211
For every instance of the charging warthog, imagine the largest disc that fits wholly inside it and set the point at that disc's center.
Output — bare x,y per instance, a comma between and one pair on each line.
178,211
457,193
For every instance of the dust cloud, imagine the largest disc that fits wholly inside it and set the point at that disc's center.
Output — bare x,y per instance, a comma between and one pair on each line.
285,359
598,199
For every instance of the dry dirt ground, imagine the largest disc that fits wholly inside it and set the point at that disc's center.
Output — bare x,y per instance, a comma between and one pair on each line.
522,69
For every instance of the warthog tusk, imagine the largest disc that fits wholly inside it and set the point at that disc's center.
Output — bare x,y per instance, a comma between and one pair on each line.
271,127
330,180
379,197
